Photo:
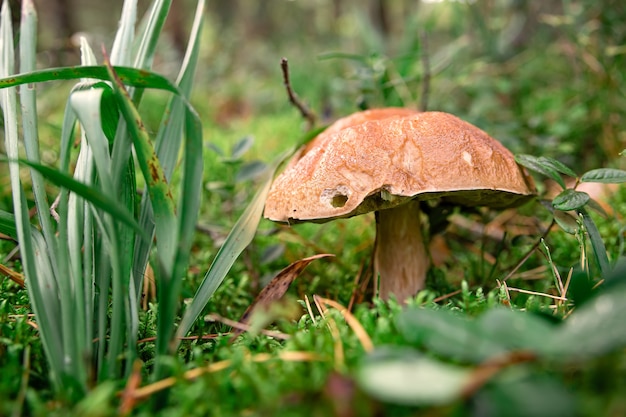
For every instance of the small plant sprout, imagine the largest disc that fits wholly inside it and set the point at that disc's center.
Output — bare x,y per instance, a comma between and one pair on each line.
571,200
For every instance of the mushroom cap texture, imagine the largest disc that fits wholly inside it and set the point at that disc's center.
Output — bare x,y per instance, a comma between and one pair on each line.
381,158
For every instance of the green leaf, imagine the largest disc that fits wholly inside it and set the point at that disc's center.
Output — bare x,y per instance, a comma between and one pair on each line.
597,244
448,334
250,171
404,376
596,328
604,175
7,224
241,147
508,394
517,330
566,221
557,166
545,166
128,76
570,200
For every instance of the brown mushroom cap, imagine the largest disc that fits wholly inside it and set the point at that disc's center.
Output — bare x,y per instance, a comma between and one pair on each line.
380,158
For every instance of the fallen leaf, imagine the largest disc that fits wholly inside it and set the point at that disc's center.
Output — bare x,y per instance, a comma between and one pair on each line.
13,276
277,287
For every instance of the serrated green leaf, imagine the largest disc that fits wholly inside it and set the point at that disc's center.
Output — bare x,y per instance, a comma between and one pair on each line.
570,200
557,165
604,175
542,166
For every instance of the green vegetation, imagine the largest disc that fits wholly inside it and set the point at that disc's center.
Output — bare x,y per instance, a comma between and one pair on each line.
157,244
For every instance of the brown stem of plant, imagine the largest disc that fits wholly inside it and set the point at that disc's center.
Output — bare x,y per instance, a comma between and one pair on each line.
306,113
530,251
426,67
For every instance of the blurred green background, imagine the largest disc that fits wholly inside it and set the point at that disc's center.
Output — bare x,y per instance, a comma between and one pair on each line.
545,77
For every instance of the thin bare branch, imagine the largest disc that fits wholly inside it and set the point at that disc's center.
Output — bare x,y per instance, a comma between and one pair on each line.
306,113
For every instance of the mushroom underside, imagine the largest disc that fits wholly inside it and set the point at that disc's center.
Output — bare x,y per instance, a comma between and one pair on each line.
383,200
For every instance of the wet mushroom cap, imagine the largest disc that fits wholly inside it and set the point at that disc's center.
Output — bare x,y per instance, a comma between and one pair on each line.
380,158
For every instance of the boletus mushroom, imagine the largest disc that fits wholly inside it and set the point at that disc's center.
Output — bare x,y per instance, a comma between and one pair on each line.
388,161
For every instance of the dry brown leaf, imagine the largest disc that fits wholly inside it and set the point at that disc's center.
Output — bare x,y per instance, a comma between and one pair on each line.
13,276
277,287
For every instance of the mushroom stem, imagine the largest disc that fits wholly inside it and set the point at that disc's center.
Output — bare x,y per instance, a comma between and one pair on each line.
400,256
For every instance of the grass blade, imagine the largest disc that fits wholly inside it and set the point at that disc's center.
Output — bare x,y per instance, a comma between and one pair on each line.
128,76
239,237
42,299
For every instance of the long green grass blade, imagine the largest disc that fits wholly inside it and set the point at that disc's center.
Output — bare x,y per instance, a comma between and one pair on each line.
88,193
155,20
128,76
42,299
239,237
169,137
122,45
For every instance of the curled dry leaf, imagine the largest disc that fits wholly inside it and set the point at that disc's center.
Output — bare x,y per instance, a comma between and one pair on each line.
277,287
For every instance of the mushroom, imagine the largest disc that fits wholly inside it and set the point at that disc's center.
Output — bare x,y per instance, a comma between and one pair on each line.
387,161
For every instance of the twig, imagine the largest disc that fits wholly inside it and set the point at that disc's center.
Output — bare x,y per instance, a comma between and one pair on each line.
426,67
446,296
128,395
306,113
12,275
201,337
541,294
530,251
245,327
287,356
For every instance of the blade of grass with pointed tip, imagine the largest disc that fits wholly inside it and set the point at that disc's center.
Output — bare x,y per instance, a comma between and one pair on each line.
239,237
149,37
168,142
122,45
162,202
127,75
191,182
43,306
597,244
